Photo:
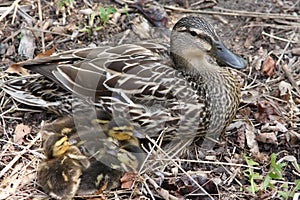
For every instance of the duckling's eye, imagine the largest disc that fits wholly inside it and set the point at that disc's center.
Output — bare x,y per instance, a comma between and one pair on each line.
193,33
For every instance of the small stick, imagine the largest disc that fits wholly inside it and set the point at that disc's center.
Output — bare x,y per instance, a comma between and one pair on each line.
278,38
236,13
17,157
41,20
290,78
162,192
9,9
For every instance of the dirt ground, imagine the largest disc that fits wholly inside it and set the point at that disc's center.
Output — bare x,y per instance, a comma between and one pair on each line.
258,157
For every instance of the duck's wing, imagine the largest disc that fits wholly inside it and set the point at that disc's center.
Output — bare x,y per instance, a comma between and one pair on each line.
38,91
131,81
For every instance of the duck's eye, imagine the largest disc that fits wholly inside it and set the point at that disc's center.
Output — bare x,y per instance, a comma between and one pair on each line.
193,33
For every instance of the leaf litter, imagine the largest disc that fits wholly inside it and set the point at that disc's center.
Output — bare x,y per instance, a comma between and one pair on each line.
267,121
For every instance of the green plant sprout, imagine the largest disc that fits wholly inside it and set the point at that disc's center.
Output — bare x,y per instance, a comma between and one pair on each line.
65,3
274,176
104,13
253,176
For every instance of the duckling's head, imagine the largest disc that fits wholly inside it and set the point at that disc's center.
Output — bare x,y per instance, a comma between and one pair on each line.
120,129
56,145
195,44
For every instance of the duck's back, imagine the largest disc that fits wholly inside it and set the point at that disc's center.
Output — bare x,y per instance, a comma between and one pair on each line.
134,81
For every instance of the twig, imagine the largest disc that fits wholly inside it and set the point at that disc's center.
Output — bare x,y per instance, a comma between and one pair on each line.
279,38
237,13
15,13
9,9
273,26
46,31
285,67
179,167
17,157
162,192
290,78
41,20
214,163
285,48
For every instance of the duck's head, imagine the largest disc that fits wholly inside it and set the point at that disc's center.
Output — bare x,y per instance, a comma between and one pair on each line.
194,42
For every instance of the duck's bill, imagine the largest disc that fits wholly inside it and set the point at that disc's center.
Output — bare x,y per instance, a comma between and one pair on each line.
227,57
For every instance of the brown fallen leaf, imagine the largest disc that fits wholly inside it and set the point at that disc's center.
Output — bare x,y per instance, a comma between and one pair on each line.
296,51
261,157
102,189
127,181
249,96
241,138
268,67
156,14
251,137
16,179
15,68
293,138
245,112
267,112
285,90
267,138
47,53
279,127
20,131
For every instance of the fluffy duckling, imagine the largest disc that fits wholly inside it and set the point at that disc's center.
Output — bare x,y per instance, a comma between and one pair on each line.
85,155
59,175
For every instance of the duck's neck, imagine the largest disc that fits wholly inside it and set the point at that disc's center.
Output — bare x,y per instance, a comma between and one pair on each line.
220,91
222,95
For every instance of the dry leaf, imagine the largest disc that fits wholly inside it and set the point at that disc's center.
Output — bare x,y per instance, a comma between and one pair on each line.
47,53
240,126
259,58
20,131
268,67
101,190
293,138
11,51
285,90
59,29
278,127
267,138
127,181
27,44
251,137
19,177
261,157
296,51
245,112
249,96
266,112
15,68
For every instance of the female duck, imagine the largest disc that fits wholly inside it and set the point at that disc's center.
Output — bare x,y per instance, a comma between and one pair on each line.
195,94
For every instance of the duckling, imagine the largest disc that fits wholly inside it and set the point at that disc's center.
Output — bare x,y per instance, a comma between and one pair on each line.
59,175
84,156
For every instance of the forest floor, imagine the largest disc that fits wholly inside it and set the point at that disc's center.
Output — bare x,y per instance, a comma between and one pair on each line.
259,156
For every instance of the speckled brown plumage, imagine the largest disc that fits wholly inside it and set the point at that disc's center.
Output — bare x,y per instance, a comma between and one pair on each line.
194,94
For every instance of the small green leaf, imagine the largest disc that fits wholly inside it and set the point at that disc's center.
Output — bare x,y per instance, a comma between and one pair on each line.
276,169
297,187
266,182
285,195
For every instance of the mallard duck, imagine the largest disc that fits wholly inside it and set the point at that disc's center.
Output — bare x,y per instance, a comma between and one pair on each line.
182,91
86,154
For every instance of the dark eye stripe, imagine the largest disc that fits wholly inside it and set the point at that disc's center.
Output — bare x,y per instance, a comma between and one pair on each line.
203,35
